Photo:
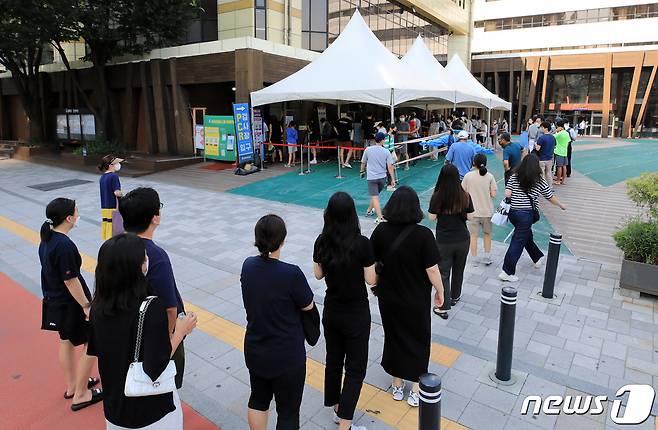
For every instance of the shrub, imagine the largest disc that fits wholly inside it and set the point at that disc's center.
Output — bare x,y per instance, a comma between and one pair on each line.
102,147
643,191
639,241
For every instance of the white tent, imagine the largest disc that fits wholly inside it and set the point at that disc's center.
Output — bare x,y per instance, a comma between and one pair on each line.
356,67
459,72
419,61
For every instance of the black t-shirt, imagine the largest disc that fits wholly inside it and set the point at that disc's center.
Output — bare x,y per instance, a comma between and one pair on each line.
275,127
113,341
404,280
368,129
451,227
344,127
274,294
346,286
60,261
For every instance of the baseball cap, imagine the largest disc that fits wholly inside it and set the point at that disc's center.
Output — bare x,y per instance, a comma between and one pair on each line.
380,136
463,134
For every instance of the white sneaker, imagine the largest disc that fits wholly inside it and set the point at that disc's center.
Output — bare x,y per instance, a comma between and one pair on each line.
353,427
313,161
390,188
540,262
370,213
378,220
413,399
335,418
398,392
347,166
486,260
508,278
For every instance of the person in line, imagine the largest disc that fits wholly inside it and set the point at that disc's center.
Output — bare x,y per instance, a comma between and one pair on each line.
110,187
504,127
402,128
343,257
414,133
345,126
574,135
582,127
493,133
513,153
357,136
449,207
533,132
481,186
377,161
483,133
276,137
523,189
141,211
461,154
409,259
545,148
274,294
562,139
291,139
368,130
121,288
65,294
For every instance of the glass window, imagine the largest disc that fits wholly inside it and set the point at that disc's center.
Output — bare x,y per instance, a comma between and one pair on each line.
261,29
306,15
318,15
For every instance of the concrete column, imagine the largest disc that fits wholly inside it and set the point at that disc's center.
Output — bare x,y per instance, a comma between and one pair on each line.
159,109
184,134
632,95
248,73
144,133
645,99
607,88
547,68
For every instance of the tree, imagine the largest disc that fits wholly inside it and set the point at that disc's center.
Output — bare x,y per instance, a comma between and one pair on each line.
26,28
111,29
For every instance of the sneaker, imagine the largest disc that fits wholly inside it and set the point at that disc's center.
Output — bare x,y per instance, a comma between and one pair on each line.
398,392
378,220
347,166
313,161
412,400
335,417
370,213
507,278
540,262
486,260
353,427
406,166
390,188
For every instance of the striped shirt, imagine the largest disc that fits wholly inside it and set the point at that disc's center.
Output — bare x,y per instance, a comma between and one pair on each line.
520,200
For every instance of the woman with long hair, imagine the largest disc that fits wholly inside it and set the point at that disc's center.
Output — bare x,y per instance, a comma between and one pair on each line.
523,189
344,258
480,184
275,137
66,301
110,187
121,288
408,269
275,294
449,207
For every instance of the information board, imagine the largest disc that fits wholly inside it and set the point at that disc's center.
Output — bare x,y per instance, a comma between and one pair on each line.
243,132
218,137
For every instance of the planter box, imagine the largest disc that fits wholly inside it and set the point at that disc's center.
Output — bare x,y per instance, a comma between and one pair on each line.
25,152
640,277
90,160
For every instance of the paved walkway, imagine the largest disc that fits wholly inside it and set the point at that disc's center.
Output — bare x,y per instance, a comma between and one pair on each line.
594,342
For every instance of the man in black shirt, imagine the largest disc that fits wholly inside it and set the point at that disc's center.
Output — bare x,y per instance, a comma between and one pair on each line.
344,127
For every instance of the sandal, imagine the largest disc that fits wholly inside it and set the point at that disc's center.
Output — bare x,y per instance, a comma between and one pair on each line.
92,382
439,312
96,396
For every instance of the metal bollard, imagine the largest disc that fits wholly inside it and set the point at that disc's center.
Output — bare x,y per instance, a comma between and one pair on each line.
429,411
308,157
340,176
506,334
554,244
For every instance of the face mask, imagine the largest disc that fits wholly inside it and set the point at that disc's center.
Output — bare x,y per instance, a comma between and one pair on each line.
117,167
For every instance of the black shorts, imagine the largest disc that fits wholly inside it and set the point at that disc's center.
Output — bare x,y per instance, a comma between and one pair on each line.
76,329
287,390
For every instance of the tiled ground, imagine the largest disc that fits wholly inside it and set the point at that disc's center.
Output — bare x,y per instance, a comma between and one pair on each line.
594,342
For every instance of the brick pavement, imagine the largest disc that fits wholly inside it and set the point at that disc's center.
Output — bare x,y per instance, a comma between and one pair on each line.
594,342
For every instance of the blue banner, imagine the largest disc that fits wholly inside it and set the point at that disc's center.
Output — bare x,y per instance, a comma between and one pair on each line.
243,132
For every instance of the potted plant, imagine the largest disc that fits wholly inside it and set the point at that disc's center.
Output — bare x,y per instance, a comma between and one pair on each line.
639,238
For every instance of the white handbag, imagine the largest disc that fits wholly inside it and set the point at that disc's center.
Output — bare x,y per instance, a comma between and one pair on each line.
138,383
499,218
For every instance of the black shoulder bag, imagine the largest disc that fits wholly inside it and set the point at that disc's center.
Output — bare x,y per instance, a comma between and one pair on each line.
535,209
311,325
379,265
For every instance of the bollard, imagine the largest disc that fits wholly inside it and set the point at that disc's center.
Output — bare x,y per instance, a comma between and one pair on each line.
554,244
308,157
506,334
340,176
301,159
429,410
262,155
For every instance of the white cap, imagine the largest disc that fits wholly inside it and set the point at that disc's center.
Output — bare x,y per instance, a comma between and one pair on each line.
462,135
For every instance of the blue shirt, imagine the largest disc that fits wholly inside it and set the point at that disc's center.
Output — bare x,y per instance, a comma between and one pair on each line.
161,276
291,134
461,154
274,294
377,159
109,183
512,153
60,261
547,144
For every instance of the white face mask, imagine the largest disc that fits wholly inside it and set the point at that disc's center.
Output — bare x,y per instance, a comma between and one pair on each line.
117,167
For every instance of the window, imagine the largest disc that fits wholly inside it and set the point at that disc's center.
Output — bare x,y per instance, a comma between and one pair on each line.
260,19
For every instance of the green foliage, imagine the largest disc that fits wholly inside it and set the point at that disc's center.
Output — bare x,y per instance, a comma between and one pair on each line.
639,241
644,192
101,147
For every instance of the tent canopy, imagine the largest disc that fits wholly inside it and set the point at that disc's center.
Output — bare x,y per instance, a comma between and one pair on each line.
419,61
459,72
356,67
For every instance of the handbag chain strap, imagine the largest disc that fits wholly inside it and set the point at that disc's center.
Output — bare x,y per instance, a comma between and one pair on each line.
140,325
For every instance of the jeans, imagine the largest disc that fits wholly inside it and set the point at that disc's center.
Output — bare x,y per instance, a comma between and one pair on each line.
522,238
346,333
452,260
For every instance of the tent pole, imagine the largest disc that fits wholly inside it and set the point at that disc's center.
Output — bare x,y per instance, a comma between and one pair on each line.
486,137
392,108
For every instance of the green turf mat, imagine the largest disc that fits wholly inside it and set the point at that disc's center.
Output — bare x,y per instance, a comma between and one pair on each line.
609,166
315,189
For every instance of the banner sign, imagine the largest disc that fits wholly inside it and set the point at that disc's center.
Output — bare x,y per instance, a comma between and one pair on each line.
198,136
243,132
257,126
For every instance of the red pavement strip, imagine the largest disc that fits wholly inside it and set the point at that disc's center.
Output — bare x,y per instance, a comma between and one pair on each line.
31,381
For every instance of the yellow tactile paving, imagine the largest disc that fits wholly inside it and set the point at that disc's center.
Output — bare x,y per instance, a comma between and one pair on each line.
373,401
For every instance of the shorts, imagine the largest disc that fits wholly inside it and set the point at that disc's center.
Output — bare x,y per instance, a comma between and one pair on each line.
402,148
291,149
376,186
287,390
474,225
76,329
561,161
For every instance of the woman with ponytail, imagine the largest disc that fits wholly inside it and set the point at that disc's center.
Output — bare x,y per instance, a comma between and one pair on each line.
481,186
110,191
274,295
66,301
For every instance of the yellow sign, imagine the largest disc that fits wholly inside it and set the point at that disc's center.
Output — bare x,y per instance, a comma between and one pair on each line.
211,141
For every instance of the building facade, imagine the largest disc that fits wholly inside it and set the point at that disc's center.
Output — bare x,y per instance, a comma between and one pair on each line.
592,60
